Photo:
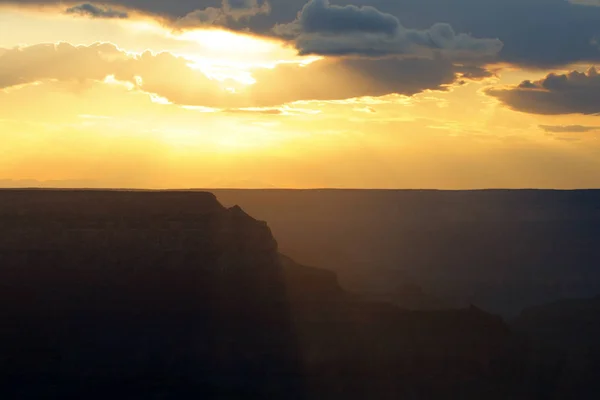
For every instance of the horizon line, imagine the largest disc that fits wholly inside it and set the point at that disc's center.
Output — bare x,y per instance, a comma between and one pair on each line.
126,189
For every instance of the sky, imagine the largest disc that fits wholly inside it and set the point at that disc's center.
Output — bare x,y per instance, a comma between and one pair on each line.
427,94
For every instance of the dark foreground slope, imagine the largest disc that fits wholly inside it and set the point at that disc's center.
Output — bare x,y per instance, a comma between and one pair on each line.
565,336
501,250
170,295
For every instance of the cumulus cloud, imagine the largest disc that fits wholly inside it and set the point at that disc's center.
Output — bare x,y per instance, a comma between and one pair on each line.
568,128
238,9
572,93
206,16
325,29
473,72
163,74
94,11
535,33
169,77
230,10
319,17
60,62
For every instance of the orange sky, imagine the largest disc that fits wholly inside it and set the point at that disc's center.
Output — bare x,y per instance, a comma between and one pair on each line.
211,108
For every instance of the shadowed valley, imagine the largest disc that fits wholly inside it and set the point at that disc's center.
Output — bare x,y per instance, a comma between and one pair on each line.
172,295
502,250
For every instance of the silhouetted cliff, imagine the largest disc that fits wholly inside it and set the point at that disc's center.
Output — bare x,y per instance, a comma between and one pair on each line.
171,295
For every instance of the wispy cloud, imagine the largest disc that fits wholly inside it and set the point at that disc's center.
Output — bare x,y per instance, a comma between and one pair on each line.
94,11
569,128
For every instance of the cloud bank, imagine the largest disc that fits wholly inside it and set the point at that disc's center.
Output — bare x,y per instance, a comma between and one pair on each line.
456,39
325,29
534,33
172,78
572,93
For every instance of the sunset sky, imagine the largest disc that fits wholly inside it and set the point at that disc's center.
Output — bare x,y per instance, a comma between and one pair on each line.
448,94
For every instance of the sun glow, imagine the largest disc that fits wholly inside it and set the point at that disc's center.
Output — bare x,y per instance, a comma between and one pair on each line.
228,42
224,55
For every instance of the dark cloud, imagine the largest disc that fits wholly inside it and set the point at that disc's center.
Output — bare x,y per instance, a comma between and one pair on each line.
472,72
168,8
325,29
231,11
527,85
572,93
96,11
569,128
535,33
319,16
207,16
348,78
172,78
585,2
322,80
242,8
